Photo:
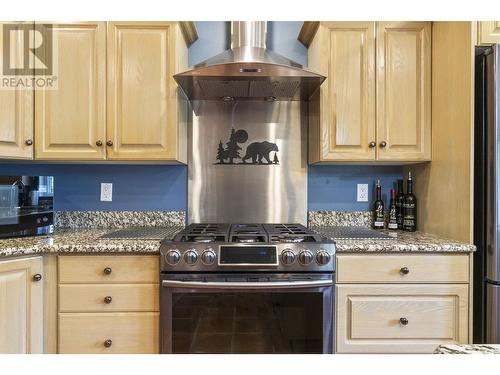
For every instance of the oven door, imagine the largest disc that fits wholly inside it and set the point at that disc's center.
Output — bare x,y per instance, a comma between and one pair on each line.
264,313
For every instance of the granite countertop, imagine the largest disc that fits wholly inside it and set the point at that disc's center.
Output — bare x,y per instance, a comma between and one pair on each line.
75,241
87,241
468,349
416,242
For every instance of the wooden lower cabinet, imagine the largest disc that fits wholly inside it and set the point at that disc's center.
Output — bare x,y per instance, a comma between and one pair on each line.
109,304
402,303
113,333
21,306
401,318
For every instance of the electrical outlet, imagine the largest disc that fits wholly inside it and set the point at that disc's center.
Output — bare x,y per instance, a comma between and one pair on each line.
362,192
106,192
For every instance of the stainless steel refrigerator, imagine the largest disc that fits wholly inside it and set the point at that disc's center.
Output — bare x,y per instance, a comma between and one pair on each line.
487,195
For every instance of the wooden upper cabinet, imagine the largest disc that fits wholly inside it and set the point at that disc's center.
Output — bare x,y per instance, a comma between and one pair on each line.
16,114
143,112
404,91
488,32
70,121
21,306
375,103
345,121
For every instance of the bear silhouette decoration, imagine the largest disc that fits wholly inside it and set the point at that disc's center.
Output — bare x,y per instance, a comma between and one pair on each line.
258,151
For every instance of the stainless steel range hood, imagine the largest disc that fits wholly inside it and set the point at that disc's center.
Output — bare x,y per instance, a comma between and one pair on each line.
248,71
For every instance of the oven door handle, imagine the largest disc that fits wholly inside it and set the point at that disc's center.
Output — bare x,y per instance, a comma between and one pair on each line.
246,285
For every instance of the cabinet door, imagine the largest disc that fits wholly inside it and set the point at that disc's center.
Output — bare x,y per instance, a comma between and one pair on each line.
70,121
387,318
21,309
16,113
488,32
347,97
141,90
404,91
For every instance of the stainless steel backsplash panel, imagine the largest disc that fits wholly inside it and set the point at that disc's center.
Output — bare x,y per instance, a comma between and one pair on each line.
248,193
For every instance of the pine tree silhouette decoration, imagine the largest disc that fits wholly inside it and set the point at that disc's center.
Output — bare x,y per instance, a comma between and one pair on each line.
275,159
220,153
232,150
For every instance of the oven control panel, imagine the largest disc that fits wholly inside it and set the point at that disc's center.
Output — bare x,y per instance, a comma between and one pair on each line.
184,256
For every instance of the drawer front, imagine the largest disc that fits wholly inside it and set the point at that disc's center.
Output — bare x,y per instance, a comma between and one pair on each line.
423,268
108,297
109,269
400,318
130,333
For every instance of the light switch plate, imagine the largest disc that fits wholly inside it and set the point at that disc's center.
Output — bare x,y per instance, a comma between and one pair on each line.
106,192
362,192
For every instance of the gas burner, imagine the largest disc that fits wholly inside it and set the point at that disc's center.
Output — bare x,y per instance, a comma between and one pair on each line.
285,238
204,239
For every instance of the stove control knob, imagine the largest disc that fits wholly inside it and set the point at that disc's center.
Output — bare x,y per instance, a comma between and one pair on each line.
305,257
191,257
322,257
208,257
172,257
287,257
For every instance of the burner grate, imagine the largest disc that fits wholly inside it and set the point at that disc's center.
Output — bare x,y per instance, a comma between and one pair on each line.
247,233
203,232
291,233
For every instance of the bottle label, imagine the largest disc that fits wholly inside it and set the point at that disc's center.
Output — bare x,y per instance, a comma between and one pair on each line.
392,225
378,224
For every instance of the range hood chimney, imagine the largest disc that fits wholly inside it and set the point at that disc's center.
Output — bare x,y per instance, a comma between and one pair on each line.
248,34
248,71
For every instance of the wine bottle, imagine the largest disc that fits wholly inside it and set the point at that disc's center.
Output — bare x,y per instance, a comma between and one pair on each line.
410,207
378,208
400,197
392,222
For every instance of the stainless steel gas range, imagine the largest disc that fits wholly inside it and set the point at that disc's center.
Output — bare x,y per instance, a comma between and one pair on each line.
247,288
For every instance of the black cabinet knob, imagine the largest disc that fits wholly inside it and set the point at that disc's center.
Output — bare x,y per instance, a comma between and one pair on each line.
108,270
383,144
109,143
98,143
29,142
37,277
108,343
403,321
108,299
372,144
404,270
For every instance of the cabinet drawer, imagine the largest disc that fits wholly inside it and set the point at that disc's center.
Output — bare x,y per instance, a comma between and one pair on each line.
108,297
124,269
400,318
423,268
130,333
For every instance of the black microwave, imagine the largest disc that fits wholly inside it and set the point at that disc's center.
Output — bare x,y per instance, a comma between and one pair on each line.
26,205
